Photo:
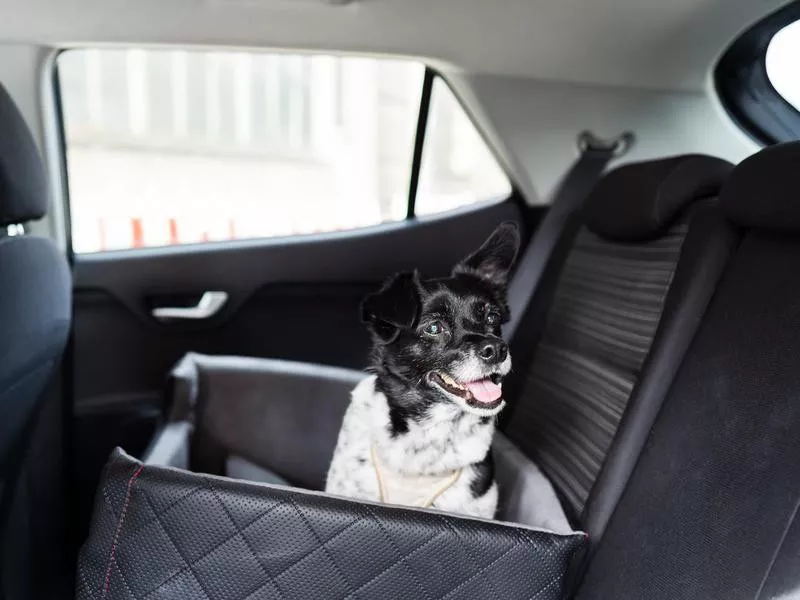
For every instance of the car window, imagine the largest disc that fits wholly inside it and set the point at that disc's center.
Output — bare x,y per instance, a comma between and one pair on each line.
458,168
781,62
171,147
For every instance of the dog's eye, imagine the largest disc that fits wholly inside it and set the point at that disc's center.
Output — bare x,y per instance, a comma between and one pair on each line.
434,328
492,318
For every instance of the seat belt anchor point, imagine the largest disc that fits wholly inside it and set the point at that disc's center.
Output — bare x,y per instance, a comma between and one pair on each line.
618,145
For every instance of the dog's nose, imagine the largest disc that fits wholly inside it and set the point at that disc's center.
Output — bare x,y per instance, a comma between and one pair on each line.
494,351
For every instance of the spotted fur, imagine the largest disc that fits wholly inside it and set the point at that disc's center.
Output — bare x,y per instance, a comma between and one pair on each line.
401,412
442,441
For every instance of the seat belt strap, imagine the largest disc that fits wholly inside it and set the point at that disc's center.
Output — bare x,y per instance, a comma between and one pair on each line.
573,190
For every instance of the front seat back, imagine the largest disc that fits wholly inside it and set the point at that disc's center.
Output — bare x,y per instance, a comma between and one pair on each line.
35,310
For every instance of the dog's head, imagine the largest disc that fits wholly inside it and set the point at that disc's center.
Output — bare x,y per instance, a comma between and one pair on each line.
439,340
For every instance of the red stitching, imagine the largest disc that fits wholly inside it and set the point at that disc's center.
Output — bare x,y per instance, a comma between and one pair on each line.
122,515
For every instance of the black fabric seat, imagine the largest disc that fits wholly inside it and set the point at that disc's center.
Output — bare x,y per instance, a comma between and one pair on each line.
35,312
626,298
711,509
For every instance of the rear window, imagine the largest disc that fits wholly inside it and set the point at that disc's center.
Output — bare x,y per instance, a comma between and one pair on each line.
171,147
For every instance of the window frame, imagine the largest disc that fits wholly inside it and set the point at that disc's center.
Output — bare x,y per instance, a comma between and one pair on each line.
430,75
744,88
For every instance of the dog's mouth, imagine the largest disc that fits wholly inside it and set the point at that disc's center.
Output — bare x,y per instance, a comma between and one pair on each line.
484,393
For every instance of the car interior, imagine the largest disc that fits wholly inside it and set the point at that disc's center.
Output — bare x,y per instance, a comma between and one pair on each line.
196,195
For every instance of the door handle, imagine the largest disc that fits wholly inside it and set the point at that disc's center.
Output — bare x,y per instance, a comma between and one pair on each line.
208,306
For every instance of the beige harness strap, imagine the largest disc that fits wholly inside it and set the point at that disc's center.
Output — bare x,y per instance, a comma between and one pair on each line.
417,490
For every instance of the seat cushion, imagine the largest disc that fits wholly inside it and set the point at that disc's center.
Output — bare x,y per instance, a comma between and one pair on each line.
238,467
526,496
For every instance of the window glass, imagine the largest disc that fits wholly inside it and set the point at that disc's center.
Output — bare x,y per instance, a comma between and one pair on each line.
458,168
174,146
171,146
783,54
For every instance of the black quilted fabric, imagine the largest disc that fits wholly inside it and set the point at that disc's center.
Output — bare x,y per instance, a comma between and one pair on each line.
163,533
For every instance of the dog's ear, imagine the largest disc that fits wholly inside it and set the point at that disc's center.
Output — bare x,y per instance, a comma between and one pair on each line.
494,259
394,308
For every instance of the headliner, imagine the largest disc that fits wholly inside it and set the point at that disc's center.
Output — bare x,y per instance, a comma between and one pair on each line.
657,44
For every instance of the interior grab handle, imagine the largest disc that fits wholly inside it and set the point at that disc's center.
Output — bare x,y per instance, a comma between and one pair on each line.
208,306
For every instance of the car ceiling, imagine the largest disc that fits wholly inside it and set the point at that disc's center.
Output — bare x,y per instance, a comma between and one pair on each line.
657,44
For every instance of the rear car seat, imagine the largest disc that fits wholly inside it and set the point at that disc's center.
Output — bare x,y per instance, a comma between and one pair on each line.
188,535
641,265
711,509
626,299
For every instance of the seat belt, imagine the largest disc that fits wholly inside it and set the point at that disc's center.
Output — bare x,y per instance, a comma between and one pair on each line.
595,154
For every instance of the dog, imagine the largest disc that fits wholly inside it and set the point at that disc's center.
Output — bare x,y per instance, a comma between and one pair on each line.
418,430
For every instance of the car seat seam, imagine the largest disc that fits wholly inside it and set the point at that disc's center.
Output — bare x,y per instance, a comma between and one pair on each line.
115,542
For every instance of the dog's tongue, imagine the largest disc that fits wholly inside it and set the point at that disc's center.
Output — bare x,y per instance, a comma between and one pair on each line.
485,390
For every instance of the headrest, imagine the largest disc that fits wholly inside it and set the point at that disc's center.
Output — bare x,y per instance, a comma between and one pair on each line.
764,190
640,201
23,182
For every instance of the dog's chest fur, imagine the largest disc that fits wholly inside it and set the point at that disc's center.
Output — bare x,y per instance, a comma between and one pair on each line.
446,440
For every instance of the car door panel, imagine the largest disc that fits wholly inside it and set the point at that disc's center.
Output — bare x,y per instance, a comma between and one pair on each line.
290,298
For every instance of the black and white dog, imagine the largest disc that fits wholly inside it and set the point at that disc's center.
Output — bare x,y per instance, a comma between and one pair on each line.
418,431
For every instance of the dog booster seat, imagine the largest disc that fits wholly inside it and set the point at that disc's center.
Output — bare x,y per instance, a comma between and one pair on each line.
171,527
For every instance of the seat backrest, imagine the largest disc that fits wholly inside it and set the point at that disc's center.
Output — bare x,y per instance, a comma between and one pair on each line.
646,253
711,509
35,312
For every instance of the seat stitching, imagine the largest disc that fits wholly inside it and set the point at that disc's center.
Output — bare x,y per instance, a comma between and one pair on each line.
244,539
213,549
307,554
481,571
226,540
466,550
120,523
178,552
166,509
397,550
125,581
322,544
394,564
104,489
555,579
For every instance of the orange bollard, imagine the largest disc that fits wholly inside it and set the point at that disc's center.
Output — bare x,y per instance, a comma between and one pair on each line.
173,232
138,233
